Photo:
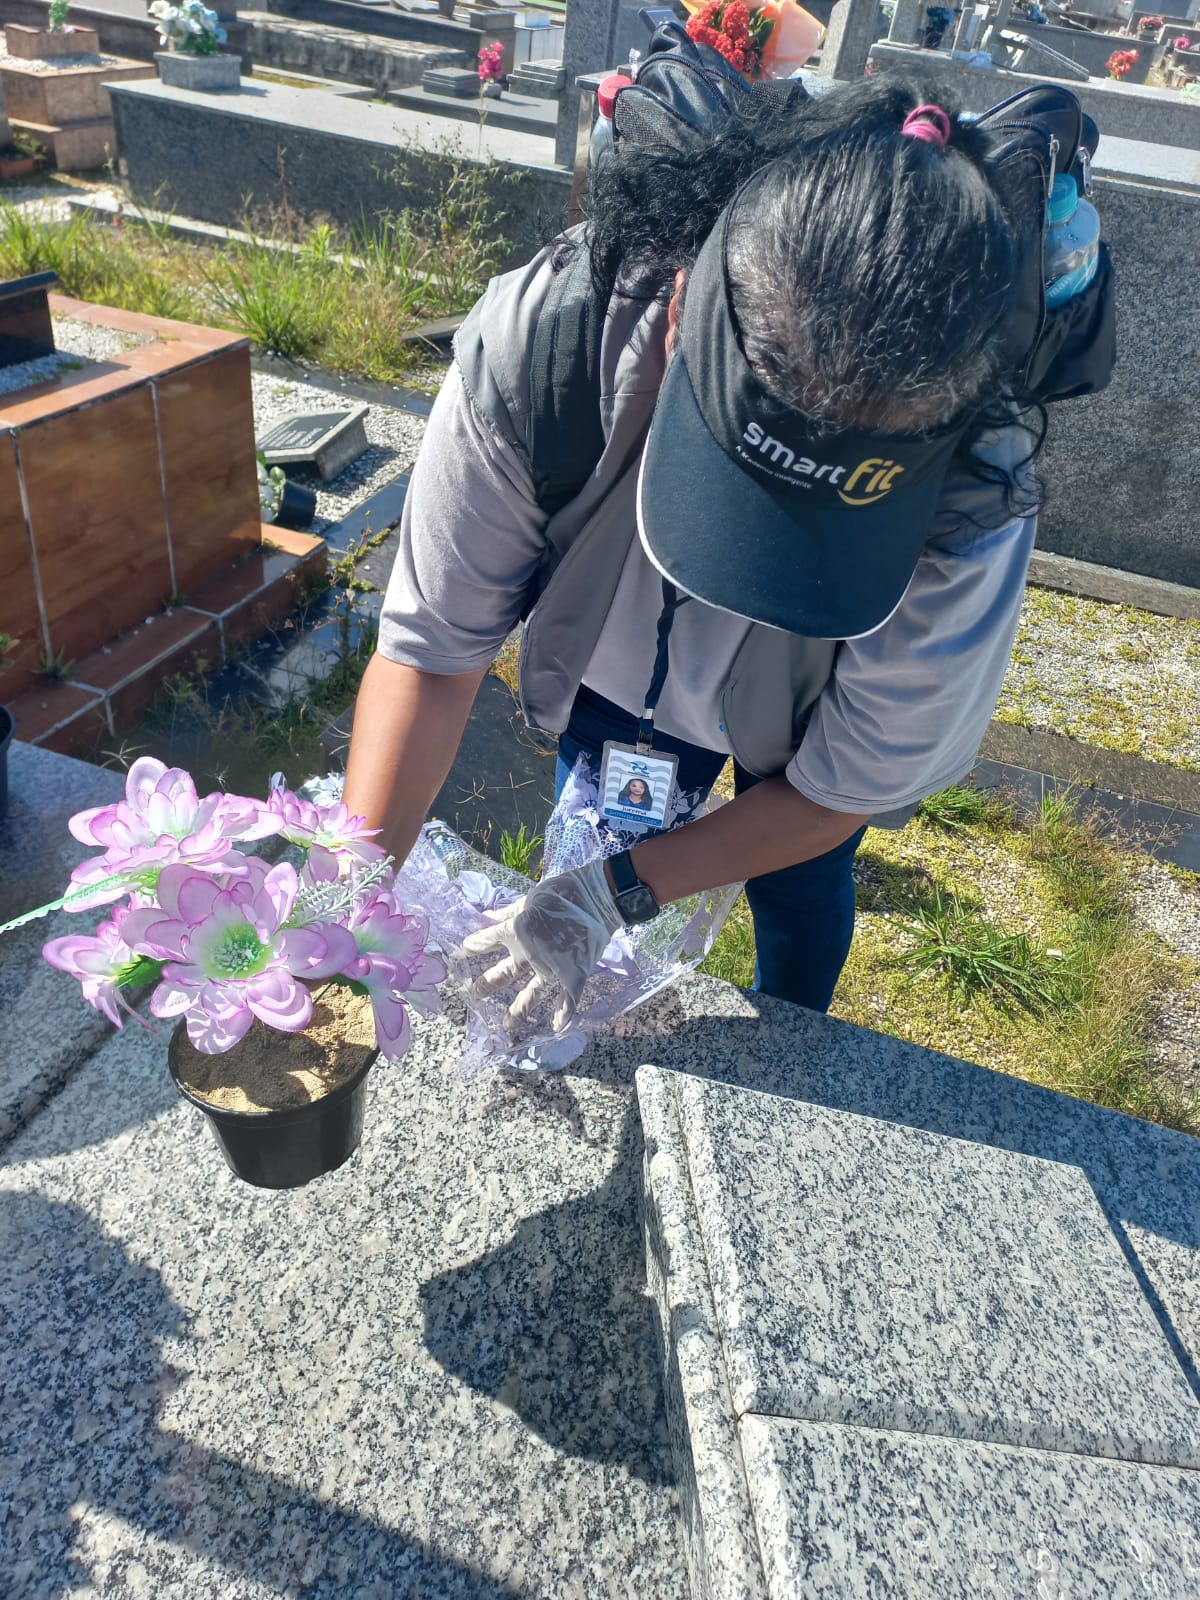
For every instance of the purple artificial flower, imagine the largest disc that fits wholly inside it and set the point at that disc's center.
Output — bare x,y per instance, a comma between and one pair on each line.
229,954
162,821
302,823
394,966
96,963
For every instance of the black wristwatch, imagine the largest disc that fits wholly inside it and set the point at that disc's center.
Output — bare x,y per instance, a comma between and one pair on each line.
635,900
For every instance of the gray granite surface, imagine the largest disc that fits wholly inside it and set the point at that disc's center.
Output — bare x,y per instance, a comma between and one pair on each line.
46,1029
881,1275
856,1514
434,1372
714,1495
430,1374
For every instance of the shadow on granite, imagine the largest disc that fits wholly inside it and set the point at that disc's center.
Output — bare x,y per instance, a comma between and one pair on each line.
756,1043
46,1031
87,1418
578,1333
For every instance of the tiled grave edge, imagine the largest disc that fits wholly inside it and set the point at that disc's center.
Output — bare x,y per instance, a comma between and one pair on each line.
111,688
719,1535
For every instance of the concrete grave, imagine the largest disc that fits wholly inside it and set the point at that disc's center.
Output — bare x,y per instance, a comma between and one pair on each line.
854,26
462,82
66,109
325,441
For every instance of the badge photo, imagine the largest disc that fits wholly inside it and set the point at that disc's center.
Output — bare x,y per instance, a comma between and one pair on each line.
636,786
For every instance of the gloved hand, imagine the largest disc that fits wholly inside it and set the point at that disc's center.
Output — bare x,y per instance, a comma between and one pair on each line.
558,931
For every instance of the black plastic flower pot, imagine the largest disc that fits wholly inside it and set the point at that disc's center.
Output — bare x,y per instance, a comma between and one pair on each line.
297,507
8,726
285,1149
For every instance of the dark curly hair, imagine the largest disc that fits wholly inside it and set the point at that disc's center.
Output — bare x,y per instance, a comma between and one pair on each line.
870,271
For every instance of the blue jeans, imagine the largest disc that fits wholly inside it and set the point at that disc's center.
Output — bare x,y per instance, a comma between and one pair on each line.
803,915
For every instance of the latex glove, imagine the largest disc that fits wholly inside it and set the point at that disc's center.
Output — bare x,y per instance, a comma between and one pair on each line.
557,933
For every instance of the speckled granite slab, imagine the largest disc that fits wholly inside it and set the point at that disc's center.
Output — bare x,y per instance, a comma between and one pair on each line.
846,1513
431,1375
714,1495
46,1030
814,1484
870,1273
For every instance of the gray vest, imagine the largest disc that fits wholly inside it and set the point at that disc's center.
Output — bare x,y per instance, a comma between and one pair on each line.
775,677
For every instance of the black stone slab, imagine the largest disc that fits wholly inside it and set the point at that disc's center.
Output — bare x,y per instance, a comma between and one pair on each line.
1164,832
26,332
326,441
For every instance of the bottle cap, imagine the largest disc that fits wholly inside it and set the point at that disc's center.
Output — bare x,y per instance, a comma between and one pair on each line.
1064,197
606,94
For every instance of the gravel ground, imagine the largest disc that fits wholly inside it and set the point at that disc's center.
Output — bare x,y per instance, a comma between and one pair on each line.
1109,675
77,345
394,437
1170,907
49,197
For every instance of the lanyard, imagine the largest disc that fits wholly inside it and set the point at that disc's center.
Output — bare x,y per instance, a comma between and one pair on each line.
672,600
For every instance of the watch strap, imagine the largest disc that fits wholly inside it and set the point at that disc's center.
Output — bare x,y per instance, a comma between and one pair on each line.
634,899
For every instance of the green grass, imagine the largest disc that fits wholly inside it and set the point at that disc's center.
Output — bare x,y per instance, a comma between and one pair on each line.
518,851
1006,937
975,957
345,300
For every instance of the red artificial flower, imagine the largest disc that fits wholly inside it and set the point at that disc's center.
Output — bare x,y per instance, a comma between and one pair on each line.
734,31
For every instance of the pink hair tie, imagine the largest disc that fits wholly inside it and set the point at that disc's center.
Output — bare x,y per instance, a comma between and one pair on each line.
929,123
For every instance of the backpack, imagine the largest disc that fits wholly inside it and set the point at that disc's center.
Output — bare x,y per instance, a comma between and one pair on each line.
684,90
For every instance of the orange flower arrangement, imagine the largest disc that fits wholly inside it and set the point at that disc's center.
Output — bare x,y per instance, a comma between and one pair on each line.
767,40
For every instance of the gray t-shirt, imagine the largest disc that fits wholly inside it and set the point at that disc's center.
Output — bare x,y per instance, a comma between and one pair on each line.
900,716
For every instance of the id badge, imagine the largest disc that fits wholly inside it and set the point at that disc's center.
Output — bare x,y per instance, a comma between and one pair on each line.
636,786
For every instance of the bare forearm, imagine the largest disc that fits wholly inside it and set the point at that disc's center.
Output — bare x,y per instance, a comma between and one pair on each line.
769,827
407,729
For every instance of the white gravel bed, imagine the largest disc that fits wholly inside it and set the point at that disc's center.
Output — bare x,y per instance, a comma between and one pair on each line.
394,437
47,64
79,344
51,202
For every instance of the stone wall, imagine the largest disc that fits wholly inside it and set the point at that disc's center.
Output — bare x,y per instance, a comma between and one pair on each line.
1122,467
1122,111
320,156
344,55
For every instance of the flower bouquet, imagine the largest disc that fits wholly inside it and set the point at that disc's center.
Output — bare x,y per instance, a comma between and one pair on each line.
491,70
193,36
771,39
1121,63
190,26
285,981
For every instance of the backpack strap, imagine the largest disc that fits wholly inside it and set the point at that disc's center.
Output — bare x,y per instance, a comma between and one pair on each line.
565,434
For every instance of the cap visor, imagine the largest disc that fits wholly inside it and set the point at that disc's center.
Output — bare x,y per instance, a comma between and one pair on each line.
721,534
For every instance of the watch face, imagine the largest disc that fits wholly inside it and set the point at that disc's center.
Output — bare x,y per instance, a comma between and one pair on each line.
637,904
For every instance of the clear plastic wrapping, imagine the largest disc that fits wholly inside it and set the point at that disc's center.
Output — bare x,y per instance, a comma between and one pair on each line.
456,887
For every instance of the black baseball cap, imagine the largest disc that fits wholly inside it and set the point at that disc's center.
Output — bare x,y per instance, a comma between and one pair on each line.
751,506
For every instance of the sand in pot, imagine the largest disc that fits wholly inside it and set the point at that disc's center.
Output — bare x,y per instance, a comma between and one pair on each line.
273,1071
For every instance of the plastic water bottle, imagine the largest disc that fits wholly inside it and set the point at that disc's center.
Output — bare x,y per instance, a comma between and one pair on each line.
1072,242
602,132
